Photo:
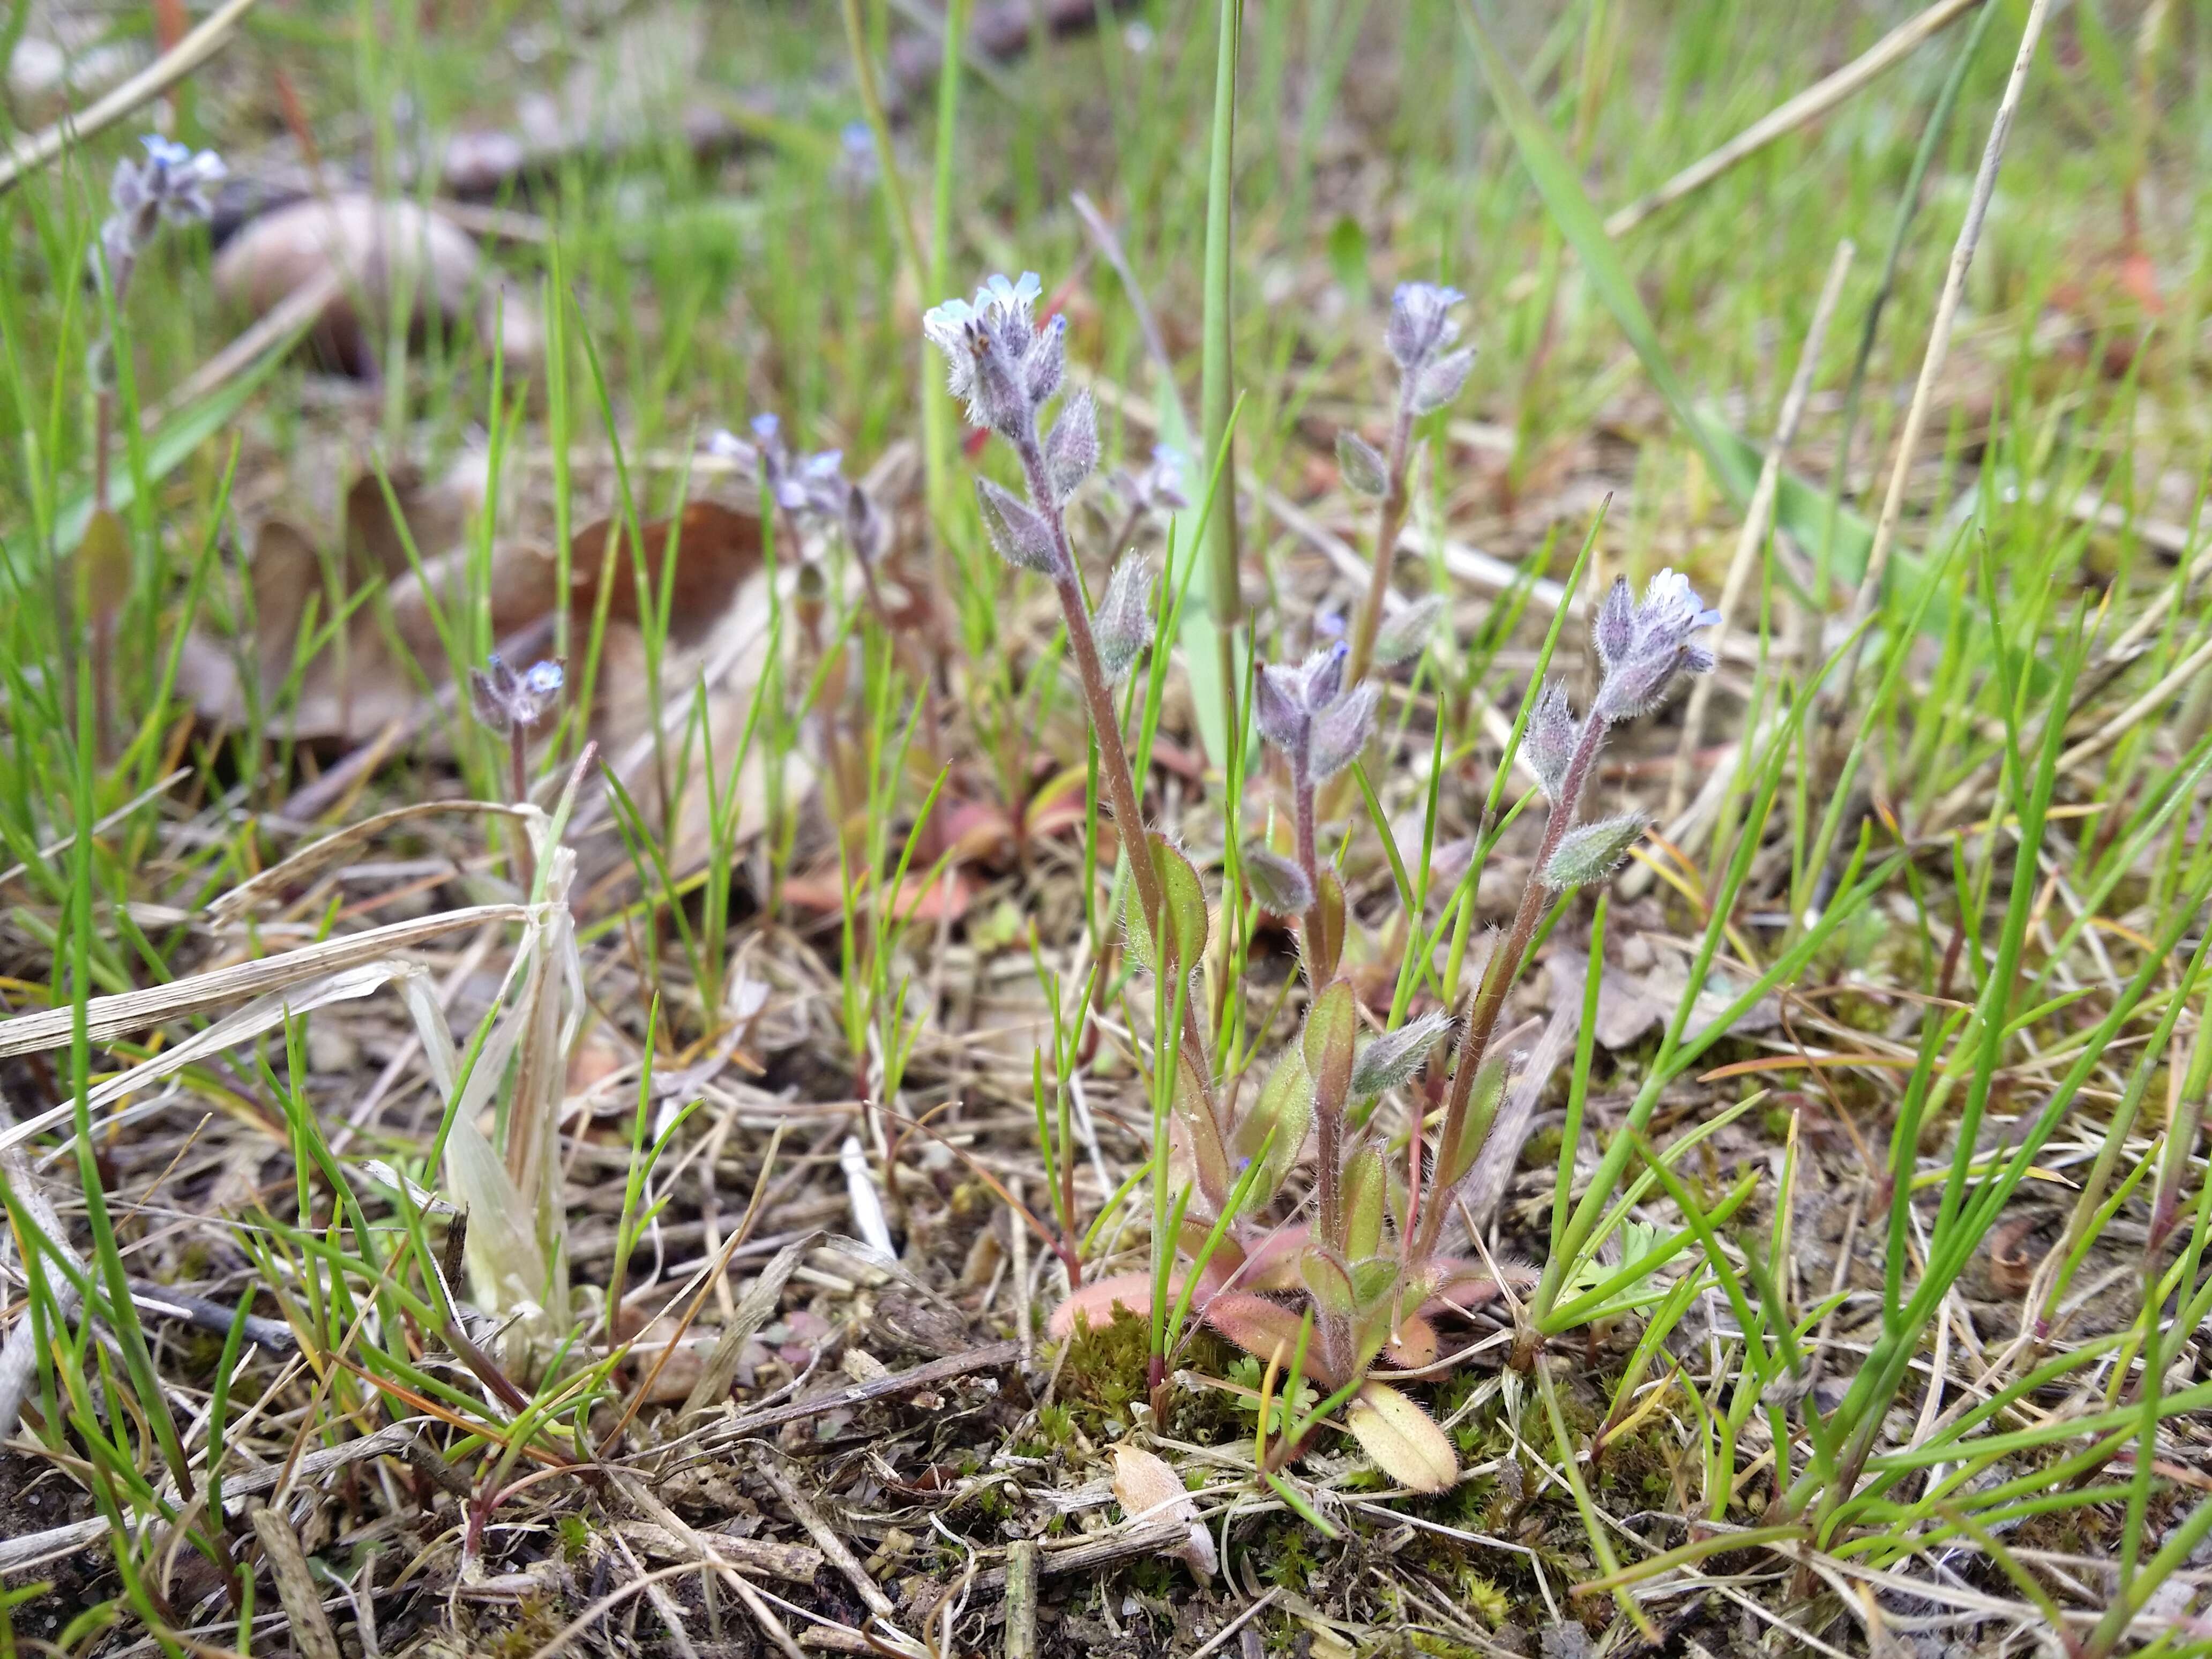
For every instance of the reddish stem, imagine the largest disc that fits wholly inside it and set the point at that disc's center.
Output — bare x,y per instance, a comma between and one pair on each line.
1506,961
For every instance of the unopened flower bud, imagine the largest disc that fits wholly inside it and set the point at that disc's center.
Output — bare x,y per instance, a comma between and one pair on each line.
1071,451
865,528
1018,530
1645,648
1123,625
1278,705
1420,323
1277,882
1552,736
1406,636
1591,851
1341,730
1440,381
1395,1057
1323,676
1046,362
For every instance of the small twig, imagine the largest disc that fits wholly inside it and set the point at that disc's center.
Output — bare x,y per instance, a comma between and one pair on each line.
1021,1600
1019,1244
1221,1637
995,1356
824,1535
163,1300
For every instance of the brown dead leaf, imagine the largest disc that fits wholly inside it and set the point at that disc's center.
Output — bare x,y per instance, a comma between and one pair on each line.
372,674
375,250
1148,1490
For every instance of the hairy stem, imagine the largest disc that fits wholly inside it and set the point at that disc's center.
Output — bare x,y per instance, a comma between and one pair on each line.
1504,964
1390,515
525,866
1113,756
1302,793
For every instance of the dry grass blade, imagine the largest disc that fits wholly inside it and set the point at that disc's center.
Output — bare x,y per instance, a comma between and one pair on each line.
1806,107
180,60
754,1309
120,1015
1755,522
310,1625
1939,343
288,318
319,855
228,1032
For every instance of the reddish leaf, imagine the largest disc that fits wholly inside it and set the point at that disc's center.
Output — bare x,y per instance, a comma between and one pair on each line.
1096,1301
1266,1330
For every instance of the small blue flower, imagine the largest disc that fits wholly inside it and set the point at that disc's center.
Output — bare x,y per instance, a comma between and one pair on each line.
995,358
171,184
508,702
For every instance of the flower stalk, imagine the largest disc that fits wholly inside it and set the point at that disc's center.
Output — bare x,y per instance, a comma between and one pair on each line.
1008,369
1421,339
1642,649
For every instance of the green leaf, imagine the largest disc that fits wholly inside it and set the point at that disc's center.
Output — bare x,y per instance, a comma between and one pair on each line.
1326,949
1214,1177
1327,1280
1332,1024
103,567
1347,257
1590,852
1457,1155
1365,1180
1373,1279
1266,1329
1287,1106
1185,900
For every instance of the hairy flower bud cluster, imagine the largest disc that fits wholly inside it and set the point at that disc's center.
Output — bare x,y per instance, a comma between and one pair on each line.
1420,337
508,702
1307,714
1644,648
1008,369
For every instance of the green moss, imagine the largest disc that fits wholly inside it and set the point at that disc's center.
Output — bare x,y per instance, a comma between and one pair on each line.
1105,1366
